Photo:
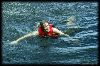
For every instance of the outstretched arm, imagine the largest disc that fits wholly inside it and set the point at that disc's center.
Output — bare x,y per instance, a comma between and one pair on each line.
59,32
28,35
34,33
76,41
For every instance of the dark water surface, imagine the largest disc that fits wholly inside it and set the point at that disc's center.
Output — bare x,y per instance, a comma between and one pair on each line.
20,18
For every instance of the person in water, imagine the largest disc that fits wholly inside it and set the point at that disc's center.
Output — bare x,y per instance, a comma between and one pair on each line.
44,30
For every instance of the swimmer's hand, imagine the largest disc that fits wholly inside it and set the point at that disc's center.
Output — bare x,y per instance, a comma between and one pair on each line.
65,35
14,42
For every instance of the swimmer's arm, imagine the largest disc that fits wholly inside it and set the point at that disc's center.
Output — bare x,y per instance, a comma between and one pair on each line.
59,32
34,33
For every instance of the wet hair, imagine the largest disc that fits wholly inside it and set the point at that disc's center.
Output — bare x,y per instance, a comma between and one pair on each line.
42,26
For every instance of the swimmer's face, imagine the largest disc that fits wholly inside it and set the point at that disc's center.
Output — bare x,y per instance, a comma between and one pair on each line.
46,26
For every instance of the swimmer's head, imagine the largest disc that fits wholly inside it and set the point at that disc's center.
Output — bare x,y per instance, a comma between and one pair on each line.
44,25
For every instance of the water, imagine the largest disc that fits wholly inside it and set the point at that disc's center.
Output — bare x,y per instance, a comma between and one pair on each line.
20,18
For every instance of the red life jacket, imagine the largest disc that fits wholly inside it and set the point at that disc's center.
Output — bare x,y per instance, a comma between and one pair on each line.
50,33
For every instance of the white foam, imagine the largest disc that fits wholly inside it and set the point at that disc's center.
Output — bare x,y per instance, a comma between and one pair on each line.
70,49
85,33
